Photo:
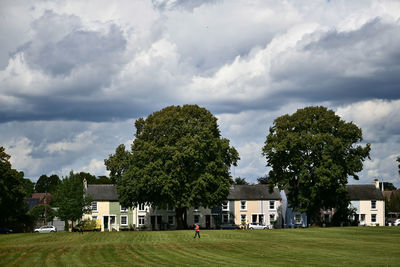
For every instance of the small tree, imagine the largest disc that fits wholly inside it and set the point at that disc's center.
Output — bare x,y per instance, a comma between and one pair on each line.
70,198
240,181
42,212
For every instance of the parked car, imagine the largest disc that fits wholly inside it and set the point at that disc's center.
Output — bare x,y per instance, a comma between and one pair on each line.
45,229
396,222
256,225
5,230
228,226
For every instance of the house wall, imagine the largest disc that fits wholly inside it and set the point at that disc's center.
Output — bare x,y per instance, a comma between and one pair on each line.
255,207
364,207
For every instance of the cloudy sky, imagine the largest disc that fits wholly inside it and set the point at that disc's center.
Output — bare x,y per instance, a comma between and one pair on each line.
74,75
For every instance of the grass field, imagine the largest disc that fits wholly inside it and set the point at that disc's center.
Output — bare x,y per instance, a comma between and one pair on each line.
352,246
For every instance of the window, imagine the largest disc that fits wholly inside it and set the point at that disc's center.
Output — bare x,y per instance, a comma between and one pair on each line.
123,209
170,219
373,218
141,220
94,218
141,207
124,220
225,206
272,217
254,218
297,219
373,204
261,218
243,205
272,205
225,218
196,218
243,218
94,206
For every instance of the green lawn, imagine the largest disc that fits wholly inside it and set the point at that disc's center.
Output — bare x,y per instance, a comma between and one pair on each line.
352,246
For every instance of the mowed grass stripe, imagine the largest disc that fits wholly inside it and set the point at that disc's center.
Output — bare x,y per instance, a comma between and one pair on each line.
314,246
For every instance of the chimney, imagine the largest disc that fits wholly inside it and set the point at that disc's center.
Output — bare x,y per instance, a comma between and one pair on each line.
376,183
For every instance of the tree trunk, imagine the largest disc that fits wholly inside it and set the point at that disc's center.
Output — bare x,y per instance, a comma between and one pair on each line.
180,214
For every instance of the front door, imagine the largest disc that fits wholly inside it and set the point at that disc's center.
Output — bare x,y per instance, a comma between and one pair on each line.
153,222
105,222
208,221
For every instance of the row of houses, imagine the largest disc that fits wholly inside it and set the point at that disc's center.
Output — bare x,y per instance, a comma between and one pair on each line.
245,204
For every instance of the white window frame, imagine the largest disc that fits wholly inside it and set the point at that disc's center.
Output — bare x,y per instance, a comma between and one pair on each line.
373,205
243,207
272,217
141,207
123,209
139,219
373,218
225,207
94,206
272,203
298,221
120,220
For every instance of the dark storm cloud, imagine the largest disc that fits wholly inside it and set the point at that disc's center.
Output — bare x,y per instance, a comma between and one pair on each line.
344,67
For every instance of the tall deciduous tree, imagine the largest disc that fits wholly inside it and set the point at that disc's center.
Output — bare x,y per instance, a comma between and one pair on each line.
312,153
240,181
12,192
70,198
47,184
178,158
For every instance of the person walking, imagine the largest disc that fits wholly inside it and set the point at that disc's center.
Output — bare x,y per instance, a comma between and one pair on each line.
197,231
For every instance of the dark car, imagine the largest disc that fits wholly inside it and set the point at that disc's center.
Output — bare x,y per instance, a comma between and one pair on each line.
229,226
5,230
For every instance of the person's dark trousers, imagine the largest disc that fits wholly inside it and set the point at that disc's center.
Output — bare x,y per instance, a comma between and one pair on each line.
197,234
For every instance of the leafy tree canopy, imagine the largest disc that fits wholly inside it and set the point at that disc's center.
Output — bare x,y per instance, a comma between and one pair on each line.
46,184
240,181
70,199
43,212
312,152
398,160
12,192
263,179
178,158
387,186
29,187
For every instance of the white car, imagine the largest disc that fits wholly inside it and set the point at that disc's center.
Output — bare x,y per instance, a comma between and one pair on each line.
257,226
46,229
396,222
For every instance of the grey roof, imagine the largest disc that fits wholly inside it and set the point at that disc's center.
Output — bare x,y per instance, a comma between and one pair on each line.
102,192
364,192
253,192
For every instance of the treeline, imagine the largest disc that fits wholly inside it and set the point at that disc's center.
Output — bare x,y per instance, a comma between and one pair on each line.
63,198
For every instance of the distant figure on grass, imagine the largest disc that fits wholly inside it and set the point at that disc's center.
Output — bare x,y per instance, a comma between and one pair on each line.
197,231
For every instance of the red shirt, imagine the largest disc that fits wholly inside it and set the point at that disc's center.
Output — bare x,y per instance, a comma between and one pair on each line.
197,228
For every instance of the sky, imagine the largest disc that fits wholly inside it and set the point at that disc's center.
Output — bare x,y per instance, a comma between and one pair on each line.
75,75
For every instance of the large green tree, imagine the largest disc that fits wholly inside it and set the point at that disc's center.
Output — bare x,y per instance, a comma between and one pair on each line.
70,198
47,184
312,153
178,158
12,205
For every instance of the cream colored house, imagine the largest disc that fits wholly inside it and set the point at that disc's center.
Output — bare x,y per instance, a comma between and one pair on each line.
253,204
369,204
